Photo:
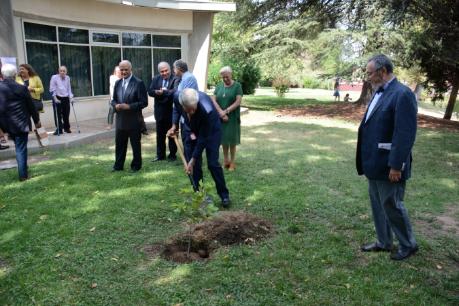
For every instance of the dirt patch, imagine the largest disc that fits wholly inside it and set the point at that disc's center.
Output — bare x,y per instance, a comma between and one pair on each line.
354,112
227,228
445,224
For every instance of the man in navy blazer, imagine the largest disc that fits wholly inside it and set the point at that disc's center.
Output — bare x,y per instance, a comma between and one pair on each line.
129,98
162,88
205,132
385,140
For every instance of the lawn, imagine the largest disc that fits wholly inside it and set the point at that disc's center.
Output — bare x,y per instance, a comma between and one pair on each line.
74,233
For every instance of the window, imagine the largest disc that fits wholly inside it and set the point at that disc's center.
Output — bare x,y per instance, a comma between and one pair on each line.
167,41
141,62
107,38
43,57
104,60
42,32
76,59
72,35
136,39
165,55
91,55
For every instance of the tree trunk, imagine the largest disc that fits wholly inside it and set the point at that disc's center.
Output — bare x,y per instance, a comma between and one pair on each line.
452,99
418,91
365,94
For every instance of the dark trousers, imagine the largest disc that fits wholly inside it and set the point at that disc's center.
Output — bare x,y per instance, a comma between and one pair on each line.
62,111
111,114
20,143
390,215
212,151
161,130
121,142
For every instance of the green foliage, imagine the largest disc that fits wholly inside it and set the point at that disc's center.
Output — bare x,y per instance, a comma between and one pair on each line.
281,86
196,206
313,83
231,48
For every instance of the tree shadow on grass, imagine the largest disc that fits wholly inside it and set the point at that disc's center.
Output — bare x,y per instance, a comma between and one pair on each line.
77,224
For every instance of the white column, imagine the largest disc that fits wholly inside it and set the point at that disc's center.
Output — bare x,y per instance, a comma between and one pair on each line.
199,46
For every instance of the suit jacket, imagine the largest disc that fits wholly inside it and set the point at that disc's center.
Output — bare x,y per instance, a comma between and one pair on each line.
386,139
136,96
16,108
204,124
163,103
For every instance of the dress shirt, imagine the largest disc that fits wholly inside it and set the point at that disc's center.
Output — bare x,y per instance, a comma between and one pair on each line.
60,87
188,81
375,99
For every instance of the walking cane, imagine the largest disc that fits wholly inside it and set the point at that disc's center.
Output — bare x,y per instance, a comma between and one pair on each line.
74,114
56,117
182,157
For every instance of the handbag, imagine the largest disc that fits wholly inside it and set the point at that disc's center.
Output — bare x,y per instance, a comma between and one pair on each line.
38,104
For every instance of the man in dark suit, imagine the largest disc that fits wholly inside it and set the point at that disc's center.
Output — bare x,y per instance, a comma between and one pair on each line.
203,120
385,140
16,108
129,98
162,88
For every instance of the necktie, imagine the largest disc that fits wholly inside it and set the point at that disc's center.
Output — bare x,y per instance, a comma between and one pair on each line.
164,83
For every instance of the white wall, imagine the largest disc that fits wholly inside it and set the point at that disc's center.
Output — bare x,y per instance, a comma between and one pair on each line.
90,12
199,46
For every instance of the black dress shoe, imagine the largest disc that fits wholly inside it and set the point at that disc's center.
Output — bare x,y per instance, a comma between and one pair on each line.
226,202
401,255
2,147
116,170
373,247
171,158
144,132
56,132
157,159
68,131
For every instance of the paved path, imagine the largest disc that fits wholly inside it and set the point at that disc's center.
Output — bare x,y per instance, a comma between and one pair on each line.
91,131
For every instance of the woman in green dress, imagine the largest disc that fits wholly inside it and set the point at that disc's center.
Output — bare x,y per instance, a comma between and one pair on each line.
227,100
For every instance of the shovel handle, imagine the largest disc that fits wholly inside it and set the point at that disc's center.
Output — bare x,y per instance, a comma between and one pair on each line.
180,150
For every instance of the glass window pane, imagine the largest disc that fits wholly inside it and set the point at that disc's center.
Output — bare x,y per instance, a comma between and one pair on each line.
105,38
72,35
43,58
167,41
39,31
141,62
76,59
165,55
104,60
136,39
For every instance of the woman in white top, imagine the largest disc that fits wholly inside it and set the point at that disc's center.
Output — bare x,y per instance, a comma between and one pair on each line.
111,112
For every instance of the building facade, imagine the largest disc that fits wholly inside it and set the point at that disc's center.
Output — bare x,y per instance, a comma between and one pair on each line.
91,37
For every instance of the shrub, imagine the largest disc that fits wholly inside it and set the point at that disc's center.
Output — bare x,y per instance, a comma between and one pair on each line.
313,83
245,71
281,86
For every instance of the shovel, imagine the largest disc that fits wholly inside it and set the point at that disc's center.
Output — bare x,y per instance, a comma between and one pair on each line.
185,164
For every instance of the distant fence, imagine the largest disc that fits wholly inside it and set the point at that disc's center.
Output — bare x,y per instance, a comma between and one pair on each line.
350,86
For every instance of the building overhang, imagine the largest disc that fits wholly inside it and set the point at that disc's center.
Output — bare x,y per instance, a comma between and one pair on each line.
189,5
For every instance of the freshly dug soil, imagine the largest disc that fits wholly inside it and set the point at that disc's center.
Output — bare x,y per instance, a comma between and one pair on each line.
227,228
354,112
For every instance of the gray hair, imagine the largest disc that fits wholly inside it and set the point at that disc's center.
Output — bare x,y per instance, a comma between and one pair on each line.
188,97
381,61
226,69
125,62
181,65
164,64
9,71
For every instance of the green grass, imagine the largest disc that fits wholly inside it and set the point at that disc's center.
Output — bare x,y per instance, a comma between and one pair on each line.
75,224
